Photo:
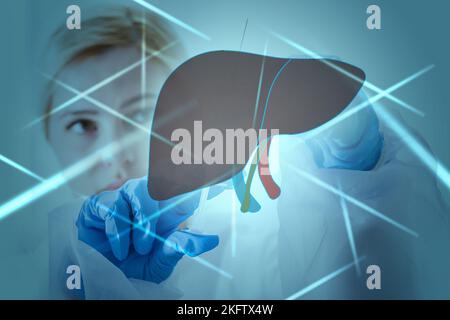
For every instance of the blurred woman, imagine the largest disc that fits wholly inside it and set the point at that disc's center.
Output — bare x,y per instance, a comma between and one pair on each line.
115,65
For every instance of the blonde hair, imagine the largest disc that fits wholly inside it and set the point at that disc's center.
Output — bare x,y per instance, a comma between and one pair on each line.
119,27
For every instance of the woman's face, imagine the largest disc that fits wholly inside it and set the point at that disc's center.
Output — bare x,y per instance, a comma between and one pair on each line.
83,127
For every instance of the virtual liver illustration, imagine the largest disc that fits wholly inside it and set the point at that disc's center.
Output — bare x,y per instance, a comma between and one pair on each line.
226,91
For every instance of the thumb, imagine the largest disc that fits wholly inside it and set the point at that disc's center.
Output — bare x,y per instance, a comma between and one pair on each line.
179,243
194,244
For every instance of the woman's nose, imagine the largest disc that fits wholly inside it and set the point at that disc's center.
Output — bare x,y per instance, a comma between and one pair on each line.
123,157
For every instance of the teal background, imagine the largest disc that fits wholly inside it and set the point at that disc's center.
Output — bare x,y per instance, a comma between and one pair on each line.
414,35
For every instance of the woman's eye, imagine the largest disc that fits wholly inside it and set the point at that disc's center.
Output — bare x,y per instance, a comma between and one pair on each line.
83,126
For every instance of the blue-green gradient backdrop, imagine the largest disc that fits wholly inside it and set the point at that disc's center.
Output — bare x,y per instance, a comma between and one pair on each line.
414,34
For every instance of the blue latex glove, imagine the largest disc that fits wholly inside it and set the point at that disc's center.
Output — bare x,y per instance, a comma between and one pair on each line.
140,235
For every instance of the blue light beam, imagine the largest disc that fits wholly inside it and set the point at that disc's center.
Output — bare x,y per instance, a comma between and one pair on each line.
348,228
348,113
432,163
62,177
98,85
19,167
354,201
323,280
172,19
112,111
261,76
346,73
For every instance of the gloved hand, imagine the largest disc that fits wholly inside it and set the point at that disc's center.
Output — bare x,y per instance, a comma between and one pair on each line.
354,143
138,234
